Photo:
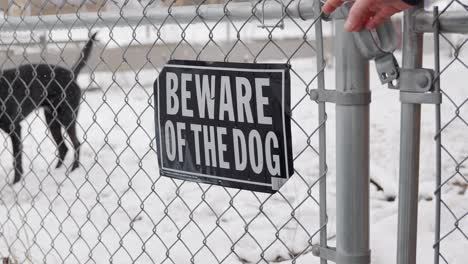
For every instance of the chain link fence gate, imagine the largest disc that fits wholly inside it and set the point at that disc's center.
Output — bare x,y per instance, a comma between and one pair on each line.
444,165
451,210
115,207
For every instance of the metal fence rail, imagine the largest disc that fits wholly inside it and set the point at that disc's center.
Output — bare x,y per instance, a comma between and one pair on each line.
115,207
169,14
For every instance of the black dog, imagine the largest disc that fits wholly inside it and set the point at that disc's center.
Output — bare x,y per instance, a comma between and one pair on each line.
51,87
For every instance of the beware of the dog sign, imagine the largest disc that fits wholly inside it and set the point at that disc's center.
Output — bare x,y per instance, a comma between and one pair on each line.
224,123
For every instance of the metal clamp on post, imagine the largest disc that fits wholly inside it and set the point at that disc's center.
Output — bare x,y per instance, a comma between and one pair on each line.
340,98
283,14
332,96
416,87
332,255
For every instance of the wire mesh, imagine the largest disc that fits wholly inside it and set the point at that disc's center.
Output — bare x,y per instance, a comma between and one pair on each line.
453,212
115,207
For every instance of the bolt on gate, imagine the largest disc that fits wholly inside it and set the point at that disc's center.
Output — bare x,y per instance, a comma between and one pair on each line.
116,208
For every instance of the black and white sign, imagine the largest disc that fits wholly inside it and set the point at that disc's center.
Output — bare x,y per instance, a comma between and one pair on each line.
224,123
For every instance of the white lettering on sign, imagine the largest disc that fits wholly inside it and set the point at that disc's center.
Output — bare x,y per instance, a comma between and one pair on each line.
225,104
196,137
171,89
209,145
206,92
248,150
169,132
180,140
205,95
255,147
262,101
243,94
240,149
186,95
272,161
221,131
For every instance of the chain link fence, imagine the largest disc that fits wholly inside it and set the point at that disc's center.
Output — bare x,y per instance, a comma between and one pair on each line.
452,123
115,208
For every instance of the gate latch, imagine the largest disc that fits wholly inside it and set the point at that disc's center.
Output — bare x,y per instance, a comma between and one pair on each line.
379,45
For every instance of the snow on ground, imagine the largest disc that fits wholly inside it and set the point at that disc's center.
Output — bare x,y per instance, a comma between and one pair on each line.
116,208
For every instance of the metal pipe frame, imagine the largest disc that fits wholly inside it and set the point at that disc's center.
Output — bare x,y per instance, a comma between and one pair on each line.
409,150
322,134
164,15
352,153
438,140
449,22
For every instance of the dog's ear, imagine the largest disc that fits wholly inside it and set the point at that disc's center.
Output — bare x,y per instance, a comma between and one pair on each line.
93,36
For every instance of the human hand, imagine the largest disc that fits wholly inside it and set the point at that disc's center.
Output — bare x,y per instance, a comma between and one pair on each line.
367,13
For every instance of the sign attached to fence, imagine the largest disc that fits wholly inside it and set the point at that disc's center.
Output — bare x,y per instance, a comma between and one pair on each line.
224,123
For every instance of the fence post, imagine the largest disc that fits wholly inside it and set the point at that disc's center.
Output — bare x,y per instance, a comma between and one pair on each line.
409,150
438,138
352,153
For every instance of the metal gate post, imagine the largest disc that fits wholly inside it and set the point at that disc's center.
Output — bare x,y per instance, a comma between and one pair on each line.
322,134
409,151
352,151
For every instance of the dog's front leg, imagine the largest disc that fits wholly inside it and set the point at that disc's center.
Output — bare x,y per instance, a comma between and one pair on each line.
17,152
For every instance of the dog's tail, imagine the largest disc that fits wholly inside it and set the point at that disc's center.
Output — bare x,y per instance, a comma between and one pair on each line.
84,55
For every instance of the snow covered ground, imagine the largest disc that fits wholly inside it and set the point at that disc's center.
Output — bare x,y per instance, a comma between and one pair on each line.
116,208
